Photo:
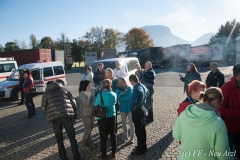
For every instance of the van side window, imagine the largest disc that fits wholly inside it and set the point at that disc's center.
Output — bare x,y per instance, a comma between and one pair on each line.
36,74
47,72
58,70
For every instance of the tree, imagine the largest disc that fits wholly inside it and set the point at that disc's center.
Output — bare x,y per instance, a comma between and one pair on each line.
33,42
21,44
64,43
226,36
1,48
46,42
78,50
111,38
95,40
11,46
137,38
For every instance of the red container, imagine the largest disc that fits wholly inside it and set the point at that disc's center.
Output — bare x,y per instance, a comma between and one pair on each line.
28,56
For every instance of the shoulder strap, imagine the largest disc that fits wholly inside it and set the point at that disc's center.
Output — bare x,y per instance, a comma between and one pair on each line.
101,99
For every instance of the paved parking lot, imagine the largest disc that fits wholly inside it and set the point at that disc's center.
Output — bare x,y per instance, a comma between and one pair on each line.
34,138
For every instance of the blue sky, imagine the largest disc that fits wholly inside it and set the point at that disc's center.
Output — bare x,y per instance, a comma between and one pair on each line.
186,19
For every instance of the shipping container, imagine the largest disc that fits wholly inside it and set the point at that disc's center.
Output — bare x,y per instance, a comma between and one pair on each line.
201,55
28,56
58,55
176,56
152,54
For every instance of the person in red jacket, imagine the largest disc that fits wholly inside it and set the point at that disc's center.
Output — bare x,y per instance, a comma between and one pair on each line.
194,88
230,110
27,87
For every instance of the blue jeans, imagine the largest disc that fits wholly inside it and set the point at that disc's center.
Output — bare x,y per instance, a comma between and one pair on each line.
58,125
29,104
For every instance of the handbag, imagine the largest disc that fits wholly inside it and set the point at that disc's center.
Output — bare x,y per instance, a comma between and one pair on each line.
100,111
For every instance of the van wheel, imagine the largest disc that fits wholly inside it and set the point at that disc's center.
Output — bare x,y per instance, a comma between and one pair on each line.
60,82
16,95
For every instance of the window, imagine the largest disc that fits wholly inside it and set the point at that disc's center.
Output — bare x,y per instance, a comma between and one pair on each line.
36,74
6,67
58,70
47,72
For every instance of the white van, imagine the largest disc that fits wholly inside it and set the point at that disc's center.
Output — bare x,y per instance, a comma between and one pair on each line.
127,64
7,66
41,73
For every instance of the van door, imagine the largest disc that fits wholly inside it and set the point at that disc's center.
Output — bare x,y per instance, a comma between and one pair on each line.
38,79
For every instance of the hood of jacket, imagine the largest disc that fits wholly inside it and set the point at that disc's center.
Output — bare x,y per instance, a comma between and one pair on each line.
197,116
53,86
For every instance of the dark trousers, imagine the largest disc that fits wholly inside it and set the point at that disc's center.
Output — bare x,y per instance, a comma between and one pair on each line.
29,104
234,143
107,126
140,131
58,125
149,104
22,96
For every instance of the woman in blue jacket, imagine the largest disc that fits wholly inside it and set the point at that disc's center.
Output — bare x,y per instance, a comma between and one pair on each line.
124,94
107,126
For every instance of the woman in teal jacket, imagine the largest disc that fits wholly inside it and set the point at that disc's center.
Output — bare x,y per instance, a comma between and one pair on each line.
124,94
107,126
201,130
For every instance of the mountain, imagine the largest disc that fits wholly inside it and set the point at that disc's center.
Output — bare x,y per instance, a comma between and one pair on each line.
162,36
204,39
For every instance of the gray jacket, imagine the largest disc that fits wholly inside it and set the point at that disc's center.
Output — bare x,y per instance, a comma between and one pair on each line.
58,102
86,103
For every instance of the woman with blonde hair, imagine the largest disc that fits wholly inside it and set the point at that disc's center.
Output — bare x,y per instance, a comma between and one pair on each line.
124,94
107,126
201,129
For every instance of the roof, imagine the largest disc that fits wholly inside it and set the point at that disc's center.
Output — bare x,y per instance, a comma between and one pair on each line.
39,65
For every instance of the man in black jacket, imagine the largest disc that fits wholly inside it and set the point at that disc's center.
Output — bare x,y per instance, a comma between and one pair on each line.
215,78
60,108
99,75
148,79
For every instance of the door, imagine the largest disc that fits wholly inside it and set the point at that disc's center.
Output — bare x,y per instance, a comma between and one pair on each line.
38,80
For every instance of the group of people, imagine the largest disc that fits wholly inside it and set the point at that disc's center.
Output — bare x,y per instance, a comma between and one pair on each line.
110,90
206,127
207,124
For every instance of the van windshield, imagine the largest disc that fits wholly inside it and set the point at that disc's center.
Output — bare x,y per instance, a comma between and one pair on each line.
106,65
15,76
